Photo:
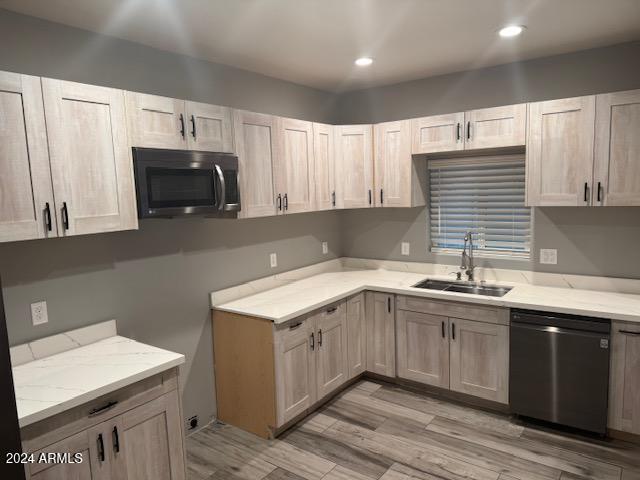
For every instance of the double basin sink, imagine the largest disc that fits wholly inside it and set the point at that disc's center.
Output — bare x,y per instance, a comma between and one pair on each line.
463,287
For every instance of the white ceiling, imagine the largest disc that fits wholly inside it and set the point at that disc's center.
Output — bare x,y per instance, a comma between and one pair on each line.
314,42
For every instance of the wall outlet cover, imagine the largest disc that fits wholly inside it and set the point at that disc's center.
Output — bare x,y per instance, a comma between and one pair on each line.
325,248
39,313
549,256
273,260
405,248
192,422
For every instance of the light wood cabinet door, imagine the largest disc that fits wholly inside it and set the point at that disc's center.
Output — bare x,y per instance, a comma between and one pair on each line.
400,180
423,348
91,162
439,133
479,359
381,341
324,166
147,442
210,127
560,152
90,444
331,357
255,142
354,166
356,336
26,194
293,171
156,122
624,392
496,127
295,366
617,150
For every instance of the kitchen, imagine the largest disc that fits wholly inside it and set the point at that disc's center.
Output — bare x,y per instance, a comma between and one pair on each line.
344,174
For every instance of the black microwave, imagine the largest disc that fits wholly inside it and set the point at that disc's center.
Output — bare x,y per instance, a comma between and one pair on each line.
171,183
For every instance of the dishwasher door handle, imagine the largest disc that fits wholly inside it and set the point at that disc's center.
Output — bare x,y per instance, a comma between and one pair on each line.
551,329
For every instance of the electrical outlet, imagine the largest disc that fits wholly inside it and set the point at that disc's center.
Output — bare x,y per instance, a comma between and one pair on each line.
192,422
39,313
325,248
404,248
549,256
273,260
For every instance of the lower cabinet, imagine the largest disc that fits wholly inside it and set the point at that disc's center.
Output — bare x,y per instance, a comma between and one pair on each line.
381,333
143,442
356,336
624,394
469,356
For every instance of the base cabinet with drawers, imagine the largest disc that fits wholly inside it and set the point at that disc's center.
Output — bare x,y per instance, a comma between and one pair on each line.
464,348
133,434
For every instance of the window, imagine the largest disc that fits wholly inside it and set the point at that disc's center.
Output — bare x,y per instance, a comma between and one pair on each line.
485,196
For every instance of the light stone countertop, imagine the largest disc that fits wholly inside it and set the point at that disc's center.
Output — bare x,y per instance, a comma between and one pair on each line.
298,297
52,384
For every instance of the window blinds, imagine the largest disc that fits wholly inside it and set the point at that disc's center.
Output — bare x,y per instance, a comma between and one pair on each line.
485,196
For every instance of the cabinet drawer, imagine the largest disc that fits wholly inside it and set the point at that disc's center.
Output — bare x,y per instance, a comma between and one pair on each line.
41,434
452,309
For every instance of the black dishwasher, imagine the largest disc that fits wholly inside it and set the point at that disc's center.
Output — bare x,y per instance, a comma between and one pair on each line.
559,368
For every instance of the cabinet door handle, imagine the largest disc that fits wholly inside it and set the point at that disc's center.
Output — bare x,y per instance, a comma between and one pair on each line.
333,198
453,331
116,439
100,447
286,201
381,197
369,196
193,126
628,332
468,130
47,216
599,190
312,341
586,188
458,132
319,338
182,125
444,334
389,304
279,202
65,216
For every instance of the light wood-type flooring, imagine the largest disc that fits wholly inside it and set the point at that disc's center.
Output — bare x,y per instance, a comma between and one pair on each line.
373,431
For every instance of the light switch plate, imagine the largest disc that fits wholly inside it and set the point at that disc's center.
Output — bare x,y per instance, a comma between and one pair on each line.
325,248
549,256
273,260
404,248
39,313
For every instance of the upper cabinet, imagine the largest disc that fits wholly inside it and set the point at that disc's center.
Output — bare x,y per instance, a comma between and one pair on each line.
163,122
354,165
496,127
324,166
560,152
617,149
26,196
91,164
255,139
400,179
293,167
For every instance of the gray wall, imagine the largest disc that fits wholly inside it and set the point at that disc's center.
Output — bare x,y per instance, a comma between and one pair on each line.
582,73
154,281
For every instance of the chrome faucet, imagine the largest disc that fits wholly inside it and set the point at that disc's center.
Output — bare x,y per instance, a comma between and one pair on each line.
467,259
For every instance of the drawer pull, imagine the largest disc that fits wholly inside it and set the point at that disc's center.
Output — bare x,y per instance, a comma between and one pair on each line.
628,332
332,309
294,326
99,410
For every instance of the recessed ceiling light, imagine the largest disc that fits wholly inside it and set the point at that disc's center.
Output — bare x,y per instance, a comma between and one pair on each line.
364,61
511,31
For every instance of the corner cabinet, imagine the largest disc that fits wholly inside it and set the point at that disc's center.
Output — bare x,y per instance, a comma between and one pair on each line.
560,152
624,392
91,163
617,149
133,433
400,179
354,165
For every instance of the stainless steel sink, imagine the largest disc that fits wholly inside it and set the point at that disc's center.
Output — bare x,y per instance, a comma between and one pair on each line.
463,287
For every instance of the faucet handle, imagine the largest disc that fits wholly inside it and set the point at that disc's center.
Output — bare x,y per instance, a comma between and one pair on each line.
457,273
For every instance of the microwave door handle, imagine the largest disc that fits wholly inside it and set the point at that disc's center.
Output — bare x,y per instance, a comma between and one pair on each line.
223,195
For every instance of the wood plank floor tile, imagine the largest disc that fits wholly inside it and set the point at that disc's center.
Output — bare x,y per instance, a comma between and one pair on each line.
387,408
442,408
354,413
282,474
526,449
366,387
420,458
341,473
402,472
316,422
340,453
499,462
